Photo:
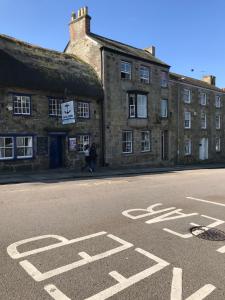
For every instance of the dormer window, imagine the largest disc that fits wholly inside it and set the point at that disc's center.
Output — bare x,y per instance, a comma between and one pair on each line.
125,70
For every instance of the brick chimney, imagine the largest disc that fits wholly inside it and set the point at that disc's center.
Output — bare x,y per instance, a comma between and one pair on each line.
80,24
151,50
210,79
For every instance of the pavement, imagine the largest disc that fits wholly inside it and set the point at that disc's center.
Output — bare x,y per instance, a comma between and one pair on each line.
102,172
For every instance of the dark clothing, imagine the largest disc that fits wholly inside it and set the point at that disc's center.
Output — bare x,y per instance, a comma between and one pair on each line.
93,157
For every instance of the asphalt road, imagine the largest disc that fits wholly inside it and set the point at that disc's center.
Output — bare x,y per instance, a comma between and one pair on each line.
110,238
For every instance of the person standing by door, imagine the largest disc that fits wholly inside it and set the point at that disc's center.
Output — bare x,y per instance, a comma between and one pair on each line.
87,159
93,156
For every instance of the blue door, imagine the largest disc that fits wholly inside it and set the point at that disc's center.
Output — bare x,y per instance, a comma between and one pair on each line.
56,151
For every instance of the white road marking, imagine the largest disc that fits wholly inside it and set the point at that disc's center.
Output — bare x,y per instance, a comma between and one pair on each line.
124,283
15,254
38,276
189,235
206,201
55,293
176,288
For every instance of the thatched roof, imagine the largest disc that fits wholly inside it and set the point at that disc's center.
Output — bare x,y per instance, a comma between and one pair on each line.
27,66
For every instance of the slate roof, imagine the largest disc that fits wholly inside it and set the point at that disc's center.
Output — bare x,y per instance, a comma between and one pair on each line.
27,66
193,81
126,49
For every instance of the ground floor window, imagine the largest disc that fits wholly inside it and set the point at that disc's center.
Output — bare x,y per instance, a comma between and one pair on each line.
16,147
217,144
145,141
187,147
82,141
127,141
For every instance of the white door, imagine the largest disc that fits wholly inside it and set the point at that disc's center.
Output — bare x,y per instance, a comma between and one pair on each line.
203,149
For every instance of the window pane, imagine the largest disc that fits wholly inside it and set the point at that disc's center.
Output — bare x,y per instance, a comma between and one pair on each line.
164,108
141,106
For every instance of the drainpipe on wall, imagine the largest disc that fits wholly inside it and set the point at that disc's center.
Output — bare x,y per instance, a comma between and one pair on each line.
102,108
178,123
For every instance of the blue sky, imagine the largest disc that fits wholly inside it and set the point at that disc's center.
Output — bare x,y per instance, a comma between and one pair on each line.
188,34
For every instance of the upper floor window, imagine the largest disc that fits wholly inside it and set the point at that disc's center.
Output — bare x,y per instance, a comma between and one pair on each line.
203,120
6,148
125,70
21,105
217,101
187,120
187,147
83,110
164,108
137,105
82,141
187,96
127,141
144,74
164,79
145,141
218,121
54,106
203,98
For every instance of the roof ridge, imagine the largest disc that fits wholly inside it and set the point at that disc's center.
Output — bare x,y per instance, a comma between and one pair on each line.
12,39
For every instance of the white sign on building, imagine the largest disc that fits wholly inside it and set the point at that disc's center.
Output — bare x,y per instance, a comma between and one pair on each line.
68,116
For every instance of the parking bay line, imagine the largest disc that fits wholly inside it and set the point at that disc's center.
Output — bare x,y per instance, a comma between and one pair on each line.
206,201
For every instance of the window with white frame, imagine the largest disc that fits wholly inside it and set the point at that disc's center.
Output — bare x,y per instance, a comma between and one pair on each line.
82,141
21,105
6,148
203,120
187,147
137,105
218,144
203,98
218,121
145,141
24,146
217,101
164,79
164,108
83,110
187,119
127,141
125,70
144,74
187,96
54,106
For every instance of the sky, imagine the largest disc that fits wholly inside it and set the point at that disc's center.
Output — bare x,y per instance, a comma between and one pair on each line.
189,35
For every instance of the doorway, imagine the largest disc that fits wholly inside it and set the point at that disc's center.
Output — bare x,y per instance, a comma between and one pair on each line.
203,149
164,145
56,151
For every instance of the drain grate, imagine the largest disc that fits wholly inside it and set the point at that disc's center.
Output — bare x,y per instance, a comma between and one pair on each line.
207,233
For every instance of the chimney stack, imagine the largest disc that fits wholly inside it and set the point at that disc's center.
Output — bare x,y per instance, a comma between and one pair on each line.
151,50
80,24
210,79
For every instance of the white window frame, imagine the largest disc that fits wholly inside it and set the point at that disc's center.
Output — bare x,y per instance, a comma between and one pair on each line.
125,68
203,98
187,147
144,74
25,146
187,95
217,101
82,140
21,105
138,106
203,120
164,108
218,121
145,141
187,118
164,79
218,144
4,147
127,141
83,110
55,107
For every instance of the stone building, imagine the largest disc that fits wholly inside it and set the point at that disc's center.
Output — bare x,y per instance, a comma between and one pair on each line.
198,123
33,84
135,111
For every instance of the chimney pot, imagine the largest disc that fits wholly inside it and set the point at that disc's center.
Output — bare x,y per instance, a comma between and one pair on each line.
80,25
210,79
